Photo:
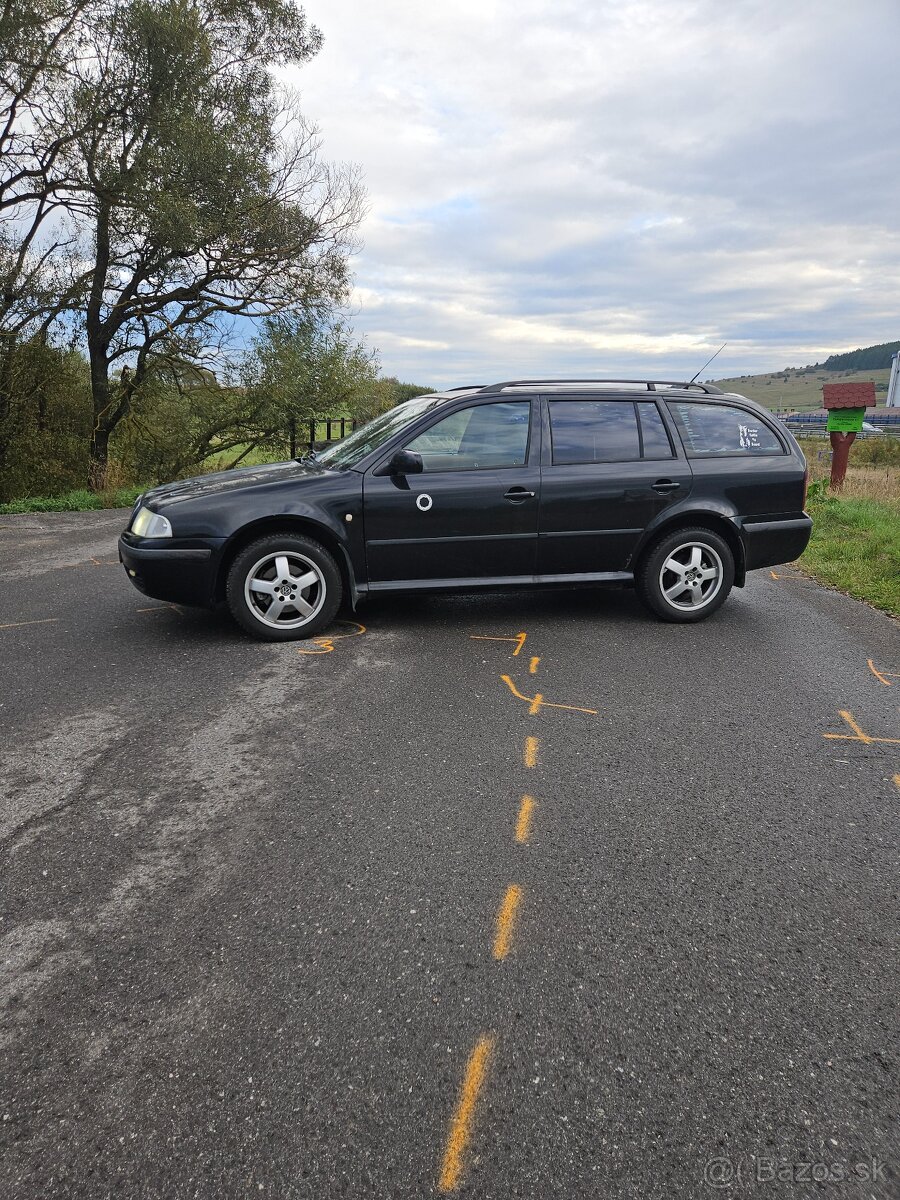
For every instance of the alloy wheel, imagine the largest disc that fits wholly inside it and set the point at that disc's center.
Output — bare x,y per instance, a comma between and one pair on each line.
691,576
285,590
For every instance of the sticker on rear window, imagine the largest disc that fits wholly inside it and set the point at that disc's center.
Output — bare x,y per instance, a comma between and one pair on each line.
749,435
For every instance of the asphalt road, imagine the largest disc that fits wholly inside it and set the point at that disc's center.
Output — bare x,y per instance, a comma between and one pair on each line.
267,928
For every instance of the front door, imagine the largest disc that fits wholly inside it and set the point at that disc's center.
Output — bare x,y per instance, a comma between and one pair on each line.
472,513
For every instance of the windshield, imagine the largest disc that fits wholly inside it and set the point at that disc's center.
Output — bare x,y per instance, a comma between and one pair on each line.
349,450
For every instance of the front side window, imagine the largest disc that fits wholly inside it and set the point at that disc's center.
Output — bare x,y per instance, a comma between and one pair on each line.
482,437
708,430
594,431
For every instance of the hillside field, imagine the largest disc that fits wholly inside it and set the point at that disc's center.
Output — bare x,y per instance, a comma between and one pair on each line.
799,387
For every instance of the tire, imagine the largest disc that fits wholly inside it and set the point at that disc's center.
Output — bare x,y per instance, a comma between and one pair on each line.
271,571
673,559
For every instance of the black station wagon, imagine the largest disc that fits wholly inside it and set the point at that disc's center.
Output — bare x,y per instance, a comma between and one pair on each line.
677,488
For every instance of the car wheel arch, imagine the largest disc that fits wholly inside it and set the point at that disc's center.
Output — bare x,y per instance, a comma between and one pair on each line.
694,519
287,523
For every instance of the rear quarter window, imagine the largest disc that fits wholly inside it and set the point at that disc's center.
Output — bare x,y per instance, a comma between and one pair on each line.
654,438
711,430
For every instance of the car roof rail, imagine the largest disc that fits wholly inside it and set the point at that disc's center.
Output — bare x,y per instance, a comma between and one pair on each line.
650,384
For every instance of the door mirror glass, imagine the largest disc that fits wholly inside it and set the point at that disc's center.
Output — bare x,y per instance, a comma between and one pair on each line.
406,462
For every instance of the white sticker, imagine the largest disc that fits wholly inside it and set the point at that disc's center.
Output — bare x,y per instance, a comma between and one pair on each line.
749,435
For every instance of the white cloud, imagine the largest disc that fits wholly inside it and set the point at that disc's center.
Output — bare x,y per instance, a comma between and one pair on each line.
616,186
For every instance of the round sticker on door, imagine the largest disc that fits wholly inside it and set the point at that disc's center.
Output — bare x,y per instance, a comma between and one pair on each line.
424,502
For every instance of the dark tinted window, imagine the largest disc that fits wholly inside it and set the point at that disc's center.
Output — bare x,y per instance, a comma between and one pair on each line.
487,435
708,429
587,431
653,429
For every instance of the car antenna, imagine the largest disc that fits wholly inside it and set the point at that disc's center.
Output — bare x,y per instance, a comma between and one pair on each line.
708,361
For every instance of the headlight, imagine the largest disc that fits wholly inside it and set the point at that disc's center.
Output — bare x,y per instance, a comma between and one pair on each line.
150,525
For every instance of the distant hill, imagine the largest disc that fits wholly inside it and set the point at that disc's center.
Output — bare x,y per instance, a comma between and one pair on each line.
800,388
869,358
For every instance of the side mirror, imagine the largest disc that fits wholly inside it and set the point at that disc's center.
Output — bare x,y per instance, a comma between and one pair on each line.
406,462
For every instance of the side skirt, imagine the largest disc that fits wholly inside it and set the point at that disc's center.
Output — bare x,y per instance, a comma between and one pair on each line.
481,583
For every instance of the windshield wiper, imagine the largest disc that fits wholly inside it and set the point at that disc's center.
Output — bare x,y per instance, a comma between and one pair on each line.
309,456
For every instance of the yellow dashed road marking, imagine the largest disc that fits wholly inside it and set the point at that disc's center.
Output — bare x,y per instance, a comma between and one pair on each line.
523,824
531,751
506,921
461,1124
532,669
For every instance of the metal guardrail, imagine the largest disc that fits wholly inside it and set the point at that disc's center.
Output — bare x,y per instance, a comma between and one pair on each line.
814,424
818,430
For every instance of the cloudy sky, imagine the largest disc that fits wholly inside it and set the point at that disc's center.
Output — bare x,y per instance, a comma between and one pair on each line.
616,186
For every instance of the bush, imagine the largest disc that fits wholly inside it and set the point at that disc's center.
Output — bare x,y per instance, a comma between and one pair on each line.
45,420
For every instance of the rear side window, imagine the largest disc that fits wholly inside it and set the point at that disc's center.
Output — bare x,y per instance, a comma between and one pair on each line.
708,430
654,436
594,431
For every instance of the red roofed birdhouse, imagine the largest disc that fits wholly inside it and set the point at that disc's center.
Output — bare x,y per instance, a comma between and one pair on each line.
849,395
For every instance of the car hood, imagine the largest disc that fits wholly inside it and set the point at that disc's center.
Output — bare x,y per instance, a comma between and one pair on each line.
221,482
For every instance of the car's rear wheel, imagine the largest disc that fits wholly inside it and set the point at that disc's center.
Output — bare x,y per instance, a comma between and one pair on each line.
284,586
686,575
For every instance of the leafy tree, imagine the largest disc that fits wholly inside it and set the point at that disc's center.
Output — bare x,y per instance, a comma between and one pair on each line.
398,392
300,368
36,42
305,367
190,186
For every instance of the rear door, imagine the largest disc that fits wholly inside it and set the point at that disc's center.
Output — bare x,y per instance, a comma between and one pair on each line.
472,513
609,467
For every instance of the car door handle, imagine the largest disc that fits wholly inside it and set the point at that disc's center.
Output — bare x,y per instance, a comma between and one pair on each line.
516,494
665,486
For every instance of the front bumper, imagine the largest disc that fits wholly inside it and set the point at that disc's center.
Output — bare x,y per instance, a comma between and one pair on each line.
179,571
769,543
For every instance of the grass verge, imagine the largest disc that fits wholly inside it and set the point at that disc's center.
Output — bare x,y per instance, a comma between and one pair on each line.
855,547
77,501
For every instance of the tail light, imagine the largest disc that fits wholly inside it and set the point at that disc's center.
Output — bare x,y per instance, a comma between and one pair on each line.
805,485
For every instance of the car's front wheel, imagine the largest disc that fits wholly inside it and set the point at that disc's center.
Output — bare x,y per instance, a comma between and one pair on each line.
284,586
686,575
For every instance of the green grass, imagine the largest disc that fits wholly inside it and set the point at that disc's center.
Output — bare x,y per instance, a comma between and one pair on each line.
77,501
855,547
